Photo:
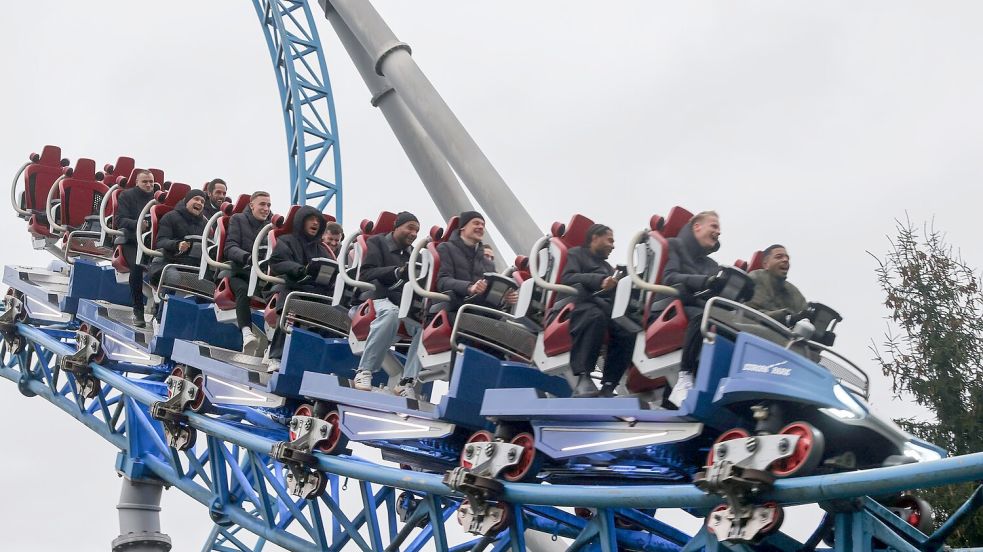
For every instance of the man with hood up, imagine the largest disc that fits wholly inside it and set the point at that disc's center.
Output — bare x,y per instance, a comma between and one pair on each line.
129,204
385,266
690,268
243,229
174,227
291,260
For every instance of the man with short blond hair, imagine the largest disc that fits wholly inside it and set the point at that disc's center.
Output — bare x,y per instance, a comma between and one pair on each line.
243,229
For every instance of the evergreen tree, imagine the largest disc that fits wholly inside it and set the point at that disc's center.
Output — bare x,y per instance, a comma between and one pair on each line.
934,353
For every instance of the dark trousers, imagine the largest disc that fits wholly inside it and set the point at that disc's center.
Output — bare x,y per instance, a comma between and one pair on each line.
135,276
589,325
692,342
240,288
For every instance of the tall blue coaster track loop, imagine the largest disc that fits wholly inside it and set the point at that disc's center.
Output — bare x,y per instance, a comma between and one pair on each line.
308,108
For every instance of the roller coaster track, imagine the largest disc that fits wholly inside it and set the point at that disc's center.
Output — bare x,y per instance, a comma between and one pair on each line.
231,473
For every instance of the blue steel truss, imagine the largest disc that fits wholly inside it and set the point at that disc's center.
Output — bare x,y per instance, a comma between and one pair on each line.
231,473
306,101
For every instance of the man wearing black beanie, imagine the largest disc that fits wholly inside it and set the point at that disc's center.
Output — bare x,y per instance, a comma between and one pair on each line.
384,266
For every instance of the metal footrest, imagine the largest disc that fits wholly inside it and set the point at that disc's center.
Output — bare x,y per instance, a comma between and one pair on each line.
318,314
507,336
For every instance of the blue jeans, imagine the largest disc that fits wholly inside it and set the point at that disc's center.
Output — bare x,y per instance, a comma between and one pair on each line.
382,335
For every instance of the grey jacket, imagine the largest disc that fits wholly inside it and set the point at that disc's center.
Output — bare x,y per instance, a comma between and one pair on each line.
688,264
775,296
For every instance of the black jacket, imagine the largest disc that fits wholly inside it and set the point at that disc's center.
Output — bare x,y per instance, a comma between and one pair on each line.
383,256
294,250
586,272
175,226
210,208
243,229
688,264
129,203
460,266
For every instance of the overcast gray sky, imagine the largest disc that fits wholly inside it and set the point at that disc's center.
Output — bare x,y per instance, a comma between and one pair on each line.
811,124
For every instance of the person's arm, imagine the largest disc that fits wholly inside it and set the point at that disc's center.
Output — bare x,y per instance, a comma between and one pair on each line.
282,262
445,275
234,250
672,274
574,274
373,268
166,238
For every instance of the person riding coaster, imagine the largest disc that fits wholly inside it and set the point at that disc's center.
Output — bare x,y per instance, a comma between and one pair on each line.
755,377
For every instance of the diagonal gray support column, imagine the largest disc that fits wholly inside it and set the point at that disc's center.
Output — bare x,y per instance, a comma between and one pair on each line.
429,163
139,518
392,60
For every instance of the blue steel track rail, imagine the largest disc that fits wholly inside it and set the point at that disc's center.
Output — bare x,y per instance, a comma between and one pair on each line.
233,476
306,101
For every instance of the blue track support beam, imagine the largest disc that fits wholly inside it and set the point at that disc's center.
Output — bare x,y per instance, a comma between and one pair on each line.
308,106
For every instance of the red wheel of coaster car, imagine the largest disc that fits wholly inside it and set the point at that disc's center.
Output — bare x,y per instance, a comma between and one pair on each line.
776,519
917,512
736,433
177,372
336,441
713,517
806,455
481,436
302,410
200,403
529,461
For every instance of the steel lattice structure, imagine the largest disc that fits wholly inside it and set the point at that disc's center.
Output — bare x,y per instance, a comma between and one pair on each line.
305,96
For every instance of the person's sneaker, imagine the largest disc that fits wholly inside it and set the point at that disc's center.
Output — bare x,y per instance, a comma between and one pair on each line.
607,389
681,389
407,389
362,380
585,387
273,365
249,341
138,319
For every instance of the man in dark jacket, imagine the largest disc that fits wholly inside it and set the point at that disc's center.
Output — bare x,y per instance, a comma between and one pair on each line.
463,265
774,295
243,229
384,265
291,260
587,270
333,236
174,229
216,190
129,204
690,269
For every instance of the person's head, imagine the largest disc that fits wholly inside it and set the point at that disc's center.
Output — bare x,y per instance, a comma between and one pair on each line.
260,204
472,226
144,180
216,191
706,229
194,202
312,223
333,234
599,240
406,228
489,252
776,260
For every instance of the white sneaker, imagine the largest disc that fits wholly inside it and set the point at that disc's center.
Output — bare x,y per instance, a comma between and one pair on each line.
681,389
362,380
249,340
407,390
273,365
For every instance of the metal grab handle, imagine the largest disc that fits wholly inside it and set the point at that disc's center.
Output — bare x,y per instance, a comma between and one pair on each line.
534,270
13,191
637,280
52,225
142,249
205,256
411,273
343,269
103,225
259,272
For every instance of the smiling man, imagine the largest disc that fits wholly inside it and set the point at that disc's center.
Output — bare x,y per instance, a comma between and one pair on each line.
773,294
